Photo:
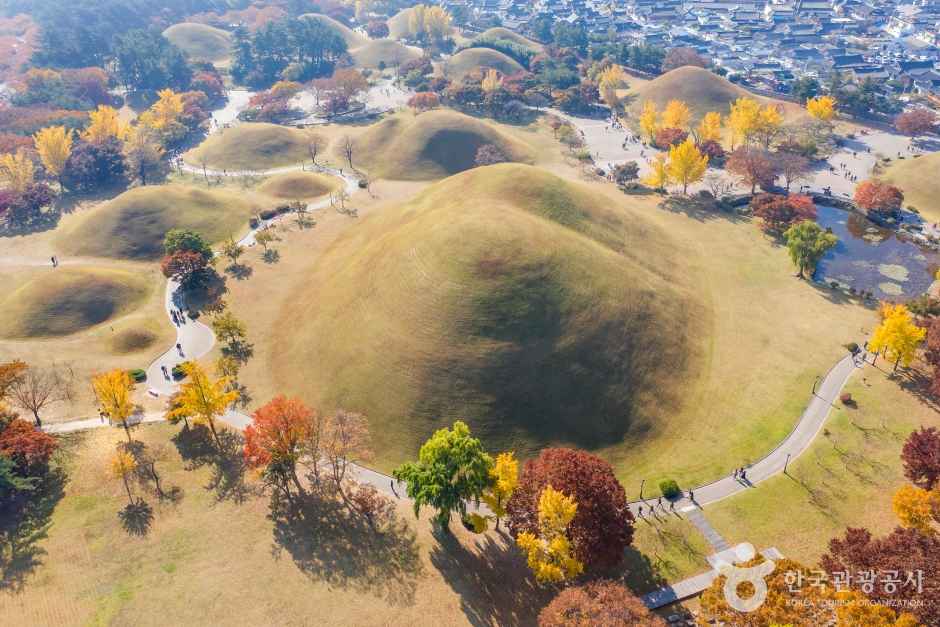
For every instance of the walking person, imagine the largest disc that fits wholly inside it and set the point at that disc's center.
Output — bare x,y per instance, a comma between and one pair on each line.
743,475
691,496
179,349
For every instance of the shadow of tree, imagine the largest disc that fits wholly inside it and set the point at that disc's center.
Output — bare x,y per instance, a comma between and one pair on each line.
146,472
136,517
917,383
643,573
492,579
239,271
271,256
330,544
25,521
698,208
198,448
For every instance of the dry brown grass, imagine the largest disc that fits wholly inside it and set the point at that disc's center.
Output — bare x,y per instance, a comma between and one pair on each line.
480,59
918,179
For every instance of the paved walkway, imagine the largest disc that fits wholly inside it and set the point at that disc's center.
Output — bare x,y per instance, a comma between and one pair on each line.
808,427
714,538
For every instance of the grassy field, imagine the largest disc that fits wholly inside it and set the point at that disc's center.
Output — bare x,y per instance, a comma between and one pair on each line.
703,91
383,51
482,59
251,146
351,37
432,145
134,332
917,179
200,42
217,531
299,185
132,226
499,32
69,300
846,478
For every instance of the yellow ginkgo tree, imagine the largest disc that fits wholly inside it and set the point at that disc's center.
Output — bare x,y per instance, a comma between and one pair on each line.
917,508
659,175
609,81
505,475
113,390
898,335
202,398
54,145
550,553
709,129
104,124
686,164
649,120
823,108
122,465
743,119
17,171
676,115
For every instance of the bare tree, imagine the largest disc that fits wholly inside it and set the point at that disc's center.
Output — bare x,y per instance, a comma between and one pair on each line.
348,148
792,167
315,144
719,185
37,388
345,435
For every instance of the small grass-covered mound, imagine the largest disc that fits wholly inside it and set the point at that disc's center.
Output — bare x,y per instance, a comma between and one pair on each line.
254,146
70,300
398,24
432,145
133,225
505,34
351,37
130,341
483,59
385,52
503,296
918,179
702,90
200,42
299,185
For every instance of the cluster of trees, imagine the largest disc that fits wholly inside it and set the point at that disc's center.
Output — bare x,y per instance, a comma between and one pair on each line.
916,122
289,49
79,89
797,596
429,23
337,93
272,105
792,217
566,509
187,259
25,451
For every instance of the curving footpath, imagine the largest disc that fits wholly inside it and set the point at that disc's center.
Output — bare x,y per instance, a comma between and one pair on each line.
193,338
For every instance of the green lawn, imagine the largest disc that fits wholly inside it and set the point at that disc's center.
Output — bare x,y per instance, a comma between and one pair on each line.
846,478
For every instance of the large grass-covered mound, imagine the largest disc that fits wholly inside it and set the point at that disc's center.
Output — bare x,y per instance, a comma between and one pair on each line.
398,24
503,296
498,32
918,179
351,37
299,185
200,42
702,90
386,52
432,145
482,59
254,146
133,225
69,300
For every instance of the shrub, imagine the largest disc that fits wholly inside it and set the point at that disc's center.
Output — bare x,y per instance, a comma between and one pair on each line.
846,399
669,488
137,375
852,347
177,372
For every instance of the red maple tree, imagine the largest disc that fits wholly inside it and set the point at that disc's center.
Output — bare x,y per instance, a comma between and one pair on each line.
879,197
604,603
276,438
921,456
27,446
603,525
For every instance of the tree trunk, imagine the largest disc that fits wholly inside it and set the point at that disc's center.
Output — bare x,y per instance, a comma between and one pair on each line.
127,487
127,430
36,416
293,476
156,478
896,362
215,434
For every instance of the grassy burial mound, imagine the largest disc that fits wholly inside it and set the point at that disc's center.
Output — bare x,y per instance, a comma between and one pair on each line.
254,146
132,226
398,24
702,90
69,300
432,145
383,52
503,296
299,185
917,178
497,33
351,37
200,42
483,59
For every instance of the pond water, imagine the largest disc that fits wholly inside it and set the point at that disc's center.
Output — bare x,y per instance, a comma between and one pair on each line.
871,258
